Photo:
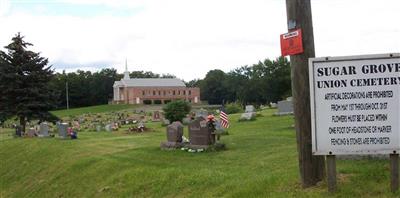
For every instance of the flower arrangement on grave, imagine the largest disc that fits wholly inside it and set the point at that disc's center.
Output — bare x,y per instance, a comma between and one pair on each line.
211,122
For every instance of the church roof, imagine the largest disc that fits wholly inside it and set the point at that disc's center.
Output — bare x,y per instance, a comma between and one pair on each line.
150,82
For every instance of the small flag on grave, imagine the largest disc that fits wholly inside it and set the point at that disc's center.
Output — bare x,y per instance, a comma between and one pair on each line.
224,118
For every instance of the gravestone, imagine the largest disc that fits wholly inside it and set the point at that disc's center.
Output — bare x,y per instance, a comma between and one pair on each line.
249,114
108,128
156,116
199,134
285,107
174,136
62,130
201,113
141,127
273,105
218,128
249,109
165,122
98,128
186,121
31,132
76,125
18,131
175,132
44,130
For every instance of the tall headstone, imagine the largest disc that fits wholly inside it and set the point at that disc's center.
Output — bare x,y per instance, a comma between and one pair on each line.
175,132
199,133
62,130
174,136
44,130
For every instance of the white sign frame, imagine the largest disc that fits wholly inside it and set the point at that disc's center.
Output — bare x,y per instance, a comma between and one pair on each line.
316,146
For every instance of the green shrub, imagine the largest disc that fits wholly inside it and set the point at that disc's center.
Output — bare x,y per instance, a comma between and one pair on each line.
157,101
176,110
147,102
233,108
167,101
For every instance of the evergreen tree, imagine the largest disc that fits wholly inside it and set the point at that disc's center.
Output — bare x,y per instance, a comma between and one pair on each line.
24,87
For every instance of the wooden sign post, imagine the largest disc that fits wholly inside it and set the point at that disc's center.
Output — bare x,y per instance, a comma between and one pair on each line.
311,167
394,172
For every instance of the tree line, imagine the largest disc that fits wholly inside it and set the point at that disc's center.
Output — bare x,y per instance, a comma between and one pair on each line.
261,83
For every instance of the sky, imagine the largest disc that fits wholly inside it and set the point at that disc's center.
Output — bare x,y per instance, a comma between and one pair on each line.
187,38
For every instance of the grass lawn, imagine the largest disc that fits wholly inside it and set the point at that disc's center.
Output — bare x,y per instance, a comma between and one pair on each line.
261,161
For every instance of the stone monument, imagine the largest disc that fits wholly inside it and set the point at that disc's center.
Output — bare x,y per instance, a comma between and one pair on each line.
174,136
156,116
249,109
285,107
199,134
62,130
31,132
249,114
44,130
108,127
201,113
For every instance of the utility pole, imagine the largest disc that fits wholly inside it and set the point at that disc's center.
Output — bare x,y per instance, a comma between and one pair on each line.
312,167
66,93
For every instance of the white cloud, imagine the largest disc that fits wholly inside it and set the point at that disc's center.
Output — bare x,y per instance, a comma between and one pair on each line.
188,38
4,7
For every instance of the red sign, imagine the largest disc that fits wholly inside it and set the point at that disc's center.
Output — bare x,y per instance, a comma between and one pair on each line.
292,43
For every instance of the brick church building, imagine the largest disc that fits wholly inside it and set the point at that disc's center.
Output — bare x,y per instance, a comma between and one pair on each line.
152,90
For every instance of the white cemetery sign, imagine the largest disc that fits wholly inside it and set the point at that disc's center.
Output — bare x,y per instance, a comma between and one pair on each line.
355,104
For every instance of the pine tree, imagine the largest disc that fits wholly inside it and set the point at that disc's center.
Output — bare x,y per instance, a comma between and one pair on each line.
24,84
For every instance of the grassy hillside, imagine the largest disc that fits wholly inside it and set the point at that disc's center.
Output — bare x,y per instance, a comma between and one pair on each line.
261,161
91,109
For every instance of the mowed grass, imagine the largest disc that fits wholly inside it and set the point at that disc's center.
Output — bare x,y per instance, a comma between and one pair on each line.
91,109
260,161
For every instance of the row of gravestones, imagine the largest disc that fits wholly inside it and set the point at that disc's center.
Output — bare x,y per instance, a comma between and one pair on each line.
285,107
201,136
186,120
42,132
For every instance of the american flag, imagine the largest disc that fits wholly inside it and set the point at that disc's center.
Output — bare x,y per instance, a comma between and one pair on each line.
224,118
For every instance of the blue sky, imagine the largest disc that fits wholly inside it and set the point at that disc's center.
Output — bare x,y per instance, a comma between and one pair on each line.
64,8
188,38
